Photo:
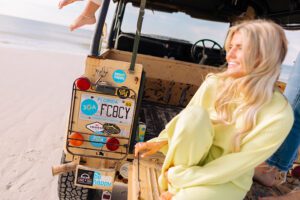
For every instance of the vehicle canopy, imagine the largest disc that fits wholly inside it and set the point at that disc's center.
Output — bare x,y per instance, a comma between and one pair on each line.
285,13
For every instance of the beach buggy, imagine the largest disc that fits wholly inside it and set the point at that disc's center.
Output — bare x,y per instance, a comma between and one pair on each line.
128,93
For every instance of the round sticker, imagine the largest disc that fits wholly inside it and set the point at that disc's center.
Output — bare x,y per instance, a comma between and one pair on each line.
123,92
97,141
89,107
119,76
124,169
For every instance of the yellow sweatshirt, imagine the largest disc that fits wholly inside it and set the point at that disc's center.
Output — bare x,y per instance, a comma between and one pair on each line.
221,166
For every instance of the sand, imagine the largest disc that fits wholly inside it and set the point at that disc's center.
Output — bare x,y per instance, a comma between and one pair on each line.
35,90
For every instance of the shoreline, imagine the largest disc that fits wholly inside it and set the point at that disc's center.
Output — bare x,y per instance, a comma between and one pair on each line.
42,35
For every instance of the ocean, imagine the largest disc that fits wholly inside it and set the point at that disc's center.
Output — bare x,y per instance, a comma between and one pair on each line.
28,33
19,32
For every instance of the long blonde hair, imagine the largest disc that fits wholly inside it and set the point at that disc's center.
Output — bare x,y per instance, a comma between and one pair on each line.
264,47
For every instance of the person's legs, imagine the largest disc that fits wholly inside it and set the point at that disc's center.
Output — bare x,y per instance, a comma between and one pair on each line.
284,157
282,160
190,138
87,16
63,3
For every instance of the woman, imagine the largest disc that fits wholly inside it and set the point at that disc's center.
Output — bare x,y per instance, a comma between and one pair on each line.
235,121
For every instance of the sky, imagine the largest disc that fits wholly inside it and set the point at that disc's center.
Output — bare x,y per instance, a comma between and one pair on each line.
47,11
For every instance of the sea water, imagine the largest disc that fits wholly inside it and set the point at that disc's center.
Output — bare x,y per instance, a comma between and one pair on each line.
20,32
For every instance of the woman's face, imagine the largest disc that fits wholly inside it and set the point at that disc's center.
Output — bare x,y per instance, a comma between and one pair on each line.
235,56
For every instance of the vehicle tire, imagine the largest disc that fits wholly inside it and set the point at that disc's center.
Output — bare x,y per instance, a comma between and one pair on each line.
68,191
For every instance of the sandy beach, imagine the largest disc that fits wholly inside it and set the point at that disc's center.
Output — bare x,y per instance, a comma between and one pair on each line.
35,94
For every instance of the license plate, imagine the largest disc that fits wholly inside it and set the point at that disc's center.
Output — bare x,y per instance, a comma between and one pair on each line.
107,109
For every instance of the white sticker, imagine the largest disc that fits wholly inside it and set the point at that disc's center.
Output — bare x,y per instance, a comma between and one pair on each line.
95,127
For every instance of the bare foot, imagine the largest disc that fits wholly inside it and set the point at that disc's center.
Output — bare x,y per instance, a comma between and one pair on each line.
294,195
63,3
81,21
269,176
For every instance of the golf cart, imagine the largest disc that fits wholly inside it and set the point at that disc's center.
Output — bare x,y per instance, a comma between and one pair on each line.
128,93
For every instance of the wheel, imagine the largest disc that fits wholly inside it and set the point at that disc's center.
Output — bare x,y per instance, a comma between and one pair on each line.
68,191
203,53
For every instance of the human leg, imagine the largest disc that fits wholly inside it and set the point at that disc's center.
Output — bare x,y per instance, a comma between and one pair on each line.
87,16
271,172
63,3
190,138
284,157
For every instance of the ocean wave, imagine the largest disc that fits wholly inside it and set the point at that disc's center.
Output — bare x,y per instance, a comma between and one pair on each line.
42,35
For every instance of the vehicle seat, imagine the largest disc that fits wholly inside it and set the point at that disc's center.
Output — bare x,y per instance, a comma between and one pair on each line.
146,46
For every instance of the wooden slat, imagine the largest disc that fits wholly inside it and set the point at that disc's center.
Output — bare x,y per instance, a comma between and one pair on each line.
148,185
147,188
154,184
133,184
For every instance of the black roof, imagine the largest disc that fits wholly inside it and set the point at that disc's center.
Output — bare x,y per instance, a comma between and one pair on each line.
286,13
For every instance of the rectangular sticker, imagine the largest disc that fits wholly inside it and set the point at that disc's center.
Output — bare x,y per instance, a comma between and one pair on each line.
102,180
106,109
85,177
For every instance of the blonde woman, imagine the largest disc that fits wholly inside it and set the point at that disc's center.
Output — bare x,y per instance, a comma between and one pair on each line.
88,14
235,121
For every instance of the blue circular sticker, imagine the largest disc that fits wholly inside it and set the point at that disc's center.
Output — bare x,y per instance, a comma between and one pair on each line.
89,107
97,141
119,76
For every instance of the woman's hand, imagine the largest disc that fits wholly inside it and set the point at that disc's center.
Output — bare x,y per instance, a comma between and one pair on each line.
149,148
166,196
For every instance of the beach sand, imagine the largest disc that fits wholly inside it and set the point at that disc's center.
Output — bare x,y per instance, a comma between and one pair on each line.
35,93
35,90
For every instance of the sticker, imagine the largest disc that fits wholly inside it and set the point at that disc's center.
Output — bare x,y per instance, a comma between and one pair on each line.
89,107
85,177
101,180
111,128
101,73
127,103
98,141
106,195
124,169
119,76
107,109
95,127
123,92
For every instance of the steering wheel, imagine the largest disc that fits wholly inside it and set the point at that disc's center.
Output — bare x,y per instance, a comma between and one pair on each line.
207,54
